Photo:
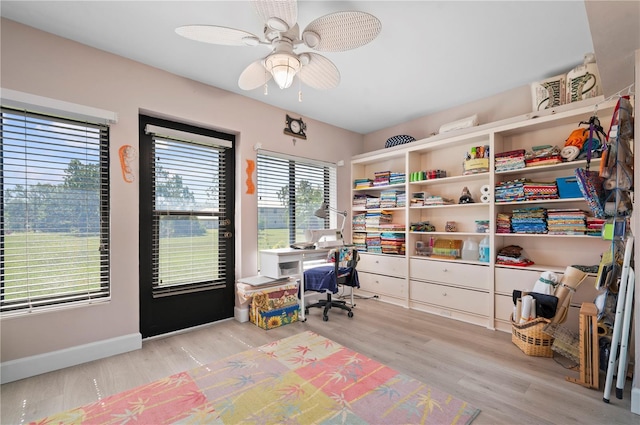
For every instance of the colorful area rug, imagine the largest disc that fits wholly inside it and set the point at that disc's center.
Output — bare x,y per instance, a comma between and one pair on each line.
303,379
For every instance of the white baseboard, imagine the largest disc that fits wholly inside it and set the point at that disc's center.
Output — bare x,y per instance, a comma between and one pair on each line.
48,362
635,400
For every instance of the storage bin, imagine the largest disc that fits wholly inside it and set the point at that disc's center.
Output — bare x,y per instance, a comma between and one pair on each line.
274,318
568,187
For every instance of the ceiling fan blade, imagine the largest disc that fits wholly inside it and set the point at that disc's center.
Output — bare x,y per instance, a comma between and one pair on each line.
341,31
319,72
254,76
217,35
284,11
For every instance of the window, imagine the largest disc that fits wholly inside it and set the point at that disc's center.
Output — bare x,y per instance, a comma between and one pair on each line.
189,218
290,190
54,236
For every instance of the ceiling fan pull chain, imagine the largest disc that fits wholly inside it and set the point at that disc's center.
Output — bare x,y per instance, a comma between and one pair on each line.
299,90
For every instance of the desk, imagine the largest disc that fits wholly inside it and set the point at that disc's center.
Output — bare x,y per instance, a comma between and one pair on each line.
287,262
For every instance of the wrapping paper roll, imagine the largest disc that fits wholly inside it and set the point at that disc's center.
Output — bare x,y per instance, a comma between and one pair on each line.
526,308
485,189
569,283
485,198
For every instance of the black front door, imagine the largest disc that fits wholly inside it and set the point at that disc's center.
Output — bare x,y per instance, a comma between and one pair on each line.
186,226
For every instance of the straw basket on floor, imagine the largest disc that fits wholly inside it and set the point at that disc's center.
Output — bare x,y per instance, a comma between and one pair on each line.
531,339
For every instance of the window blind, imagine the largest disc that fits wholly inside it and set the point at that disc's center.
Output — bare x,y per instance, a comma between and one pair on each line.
54,235
189,201
289,191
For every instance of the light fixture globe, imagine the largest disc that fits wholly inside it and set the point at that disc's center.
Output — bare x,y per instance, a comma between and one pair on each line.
283,66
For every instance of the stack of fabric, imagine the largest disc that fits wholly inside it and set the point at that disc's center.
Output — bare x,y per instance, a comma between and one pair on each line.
374,219
510,191
397,178
359,200
401,199
359,223
373,242
360,241
540,190
503,223
511,160
417,199
543,155
566,221
381,178
392,243
594,226
529,220
437,200
363,183
389,198
513,255
372,202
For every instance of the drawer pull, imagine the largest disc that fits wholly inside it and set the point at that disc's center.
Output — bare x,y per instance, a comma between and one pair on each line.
445,270
444,294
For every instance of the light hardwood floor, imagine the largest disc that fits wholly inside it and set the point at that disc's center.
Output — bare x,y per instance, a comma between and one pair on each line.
475,364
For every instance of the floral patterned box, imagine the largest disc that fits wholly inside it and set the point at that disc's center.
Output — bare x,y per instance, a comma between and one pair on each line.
274,318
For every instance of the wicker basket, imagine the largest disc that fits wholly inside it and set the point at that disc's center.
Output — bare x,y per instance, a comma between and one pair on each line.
530,338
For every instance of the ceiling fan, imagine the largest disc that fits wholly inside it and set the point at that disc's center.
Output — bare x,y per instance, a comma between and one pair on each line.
334,32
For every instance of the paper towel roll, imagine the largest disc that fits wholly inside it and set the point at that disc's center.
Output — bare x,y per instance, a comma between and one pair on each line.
485,198
485,189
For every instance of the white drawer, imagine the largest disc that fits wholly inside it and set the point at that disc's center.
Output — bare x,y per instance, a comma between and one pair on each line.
450,297
378,284
383,264
504,307
509,279
523,280
459,274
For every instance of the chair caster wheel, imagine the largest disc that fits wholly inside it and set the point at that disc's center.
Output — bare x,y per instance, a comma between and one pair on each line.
350,314
325,318
306,311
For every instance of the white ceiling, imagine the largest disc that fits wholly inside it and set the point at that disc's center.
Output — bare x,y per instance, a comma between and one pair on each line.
430,55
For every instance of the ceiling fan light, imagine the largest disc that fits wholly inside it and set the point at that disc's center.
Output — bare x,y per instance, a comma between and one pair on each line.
283,67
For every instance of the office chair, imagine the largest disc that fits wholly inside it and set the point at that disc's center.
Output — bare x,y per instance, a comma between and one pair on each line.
328,278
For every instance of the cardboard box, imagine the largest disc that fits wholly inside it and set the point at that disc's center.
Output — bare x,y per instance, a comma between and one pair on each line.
274,318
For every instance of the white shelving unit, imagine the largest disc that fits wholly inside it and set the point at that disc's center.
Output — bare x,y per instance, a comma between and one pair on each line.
474,291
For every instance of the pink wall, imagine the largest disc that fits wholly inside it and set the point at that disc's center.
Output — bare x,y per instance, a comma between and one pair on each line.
39,63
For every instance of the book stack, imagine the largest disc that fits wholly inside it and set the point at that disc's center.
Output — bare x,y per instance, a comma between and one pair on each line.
529,220
511,160
381,178
566,221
